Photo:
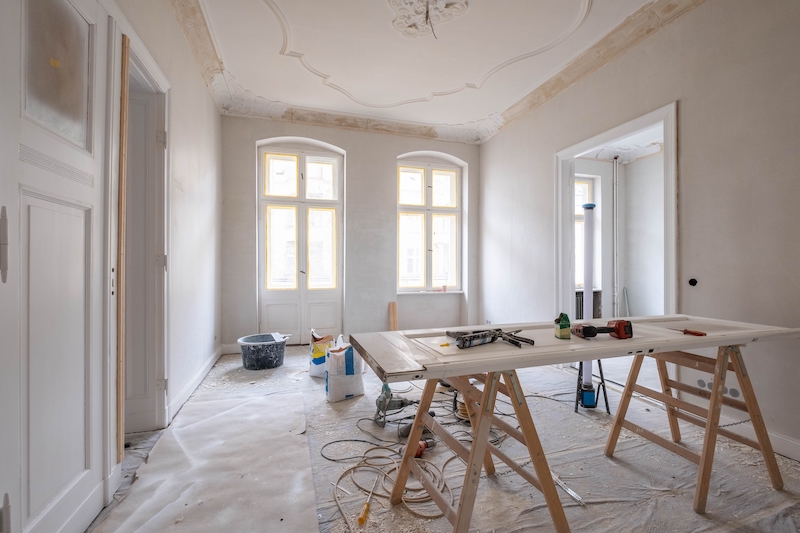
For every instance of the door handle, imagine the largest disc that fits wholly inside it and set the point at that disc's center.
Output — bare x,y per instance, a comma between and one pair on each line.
3,244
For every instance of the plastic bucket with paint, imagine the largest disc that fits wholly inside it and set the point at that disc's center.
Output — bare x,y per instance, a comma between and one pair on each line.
262,351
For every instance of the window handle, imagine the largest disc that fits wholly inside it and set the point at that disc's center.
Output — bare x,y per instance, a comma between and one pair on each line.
302,271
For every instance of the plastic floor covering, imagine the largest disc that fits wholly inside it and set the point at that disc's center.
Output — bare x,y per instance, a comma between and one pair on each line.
246,451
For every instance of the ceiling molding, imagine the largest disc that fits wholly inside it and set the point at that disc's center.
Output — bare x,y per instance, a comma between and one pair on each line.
286,50
633,30
417,18
234,100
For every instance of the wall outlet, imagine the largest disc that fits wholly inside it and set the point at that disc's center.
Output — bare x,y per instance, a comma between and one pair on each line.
488,321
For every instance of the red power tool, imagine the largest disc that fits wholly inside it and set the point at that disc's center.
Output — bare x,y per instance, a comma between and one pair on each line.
424,444
620,329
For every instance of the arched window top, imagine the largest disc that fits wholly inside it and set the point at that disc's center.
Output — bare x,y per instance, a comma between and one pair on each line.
299,143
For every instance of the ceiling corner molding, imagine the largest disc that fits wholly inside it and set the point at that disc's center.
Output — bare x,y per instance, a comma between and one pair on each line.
633,30
192,21
416,18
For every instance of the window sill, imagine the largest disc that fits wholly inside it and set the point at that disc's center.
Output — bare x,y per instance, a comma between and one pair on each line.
422,293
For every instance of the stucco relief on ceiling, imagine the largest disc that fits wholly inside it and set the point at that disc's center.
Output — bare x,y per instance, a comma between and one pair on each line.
288,51
417,18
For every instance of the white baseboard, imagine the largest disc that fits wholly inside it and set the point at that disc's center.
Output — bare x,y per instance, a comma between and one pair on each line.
112,483
177,401
231,348
782,444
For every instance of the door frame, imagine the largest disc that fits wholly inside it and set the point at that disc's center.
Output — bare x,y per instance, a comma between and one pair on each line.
311,147
564,187
114,435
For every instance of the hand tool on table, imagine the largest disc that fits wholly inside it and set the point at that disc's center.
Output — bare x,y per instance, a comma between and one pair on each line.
619,329
467,339
362,518
690,332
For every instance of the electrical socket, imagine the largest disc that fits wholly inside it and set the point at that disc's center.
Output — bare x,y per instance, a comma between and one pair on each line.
488,321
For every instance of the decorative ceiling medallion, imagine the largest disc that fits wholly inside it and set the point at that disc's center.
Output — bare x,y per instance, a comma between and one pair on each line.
416,18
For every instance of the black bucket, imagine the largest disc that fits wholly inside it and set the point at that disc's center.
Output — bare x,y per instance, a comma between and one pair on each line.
262,351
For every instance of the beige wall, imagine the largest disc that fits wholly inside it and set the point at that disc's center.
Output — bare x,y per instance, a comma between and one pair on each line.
370,224
734,69
194,201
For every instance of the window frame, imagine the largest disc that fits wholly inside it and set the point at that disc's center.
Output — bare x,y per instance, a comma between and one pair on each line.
428,210
303,204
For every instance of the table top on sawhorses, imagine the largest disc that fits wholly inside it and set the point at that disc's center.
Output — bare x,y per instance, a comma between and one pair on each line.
420,354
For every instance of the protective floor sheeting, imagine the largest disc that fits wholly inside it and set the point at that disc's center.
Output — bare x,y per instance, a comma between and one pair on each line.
239,420
236,464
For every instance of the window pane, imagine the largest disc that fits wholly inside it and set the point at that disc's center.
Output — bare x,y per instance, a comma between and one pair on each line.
281,247
411,253
581,196
579,254
321,248
445,253
411,186
281,178
444,188
320,182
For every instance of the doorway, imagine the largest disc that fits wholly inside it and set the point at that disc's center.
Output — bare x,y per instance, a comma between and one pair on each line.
145,253
630,173
300,238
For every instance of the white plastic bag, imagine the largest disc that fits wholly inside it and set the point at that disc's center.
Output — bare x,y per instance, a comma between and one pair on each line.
343,370
318,350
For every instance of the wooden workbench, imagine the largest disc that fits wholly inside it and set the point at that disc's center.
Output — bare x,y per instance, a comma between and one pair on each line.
423,355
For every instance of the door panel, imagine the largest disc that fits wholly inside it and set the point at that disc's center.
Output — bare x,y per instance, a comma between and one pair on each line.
141,266
51,156
300,244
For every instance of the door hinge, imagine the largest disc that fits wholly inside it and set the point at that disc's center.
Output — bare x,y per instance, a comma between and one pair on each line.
161,260
161,138
163,384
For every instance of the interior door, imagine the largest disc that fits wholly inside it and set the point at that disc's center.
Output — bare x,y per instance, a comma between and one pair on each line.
300,243
141,265
52,186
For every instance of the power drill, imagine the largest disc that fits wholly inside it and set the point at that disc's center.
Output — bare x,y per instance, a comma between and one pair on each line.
424,444
388,402
620,329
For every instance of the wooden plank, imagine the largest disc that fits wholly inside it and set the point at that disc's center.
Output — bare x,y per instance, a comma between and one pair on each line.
671,401
756,418
536,452
689,360
527,476
121,237
482,378
730,402
661,441
475,418
712,427
724,432
447,509
473,394
440,431
393,316
663,376
480,439
411,443
624,402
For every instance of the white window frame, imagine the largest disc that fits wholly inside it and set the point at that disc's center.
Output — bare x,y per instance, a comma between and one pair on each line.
298,201
429,211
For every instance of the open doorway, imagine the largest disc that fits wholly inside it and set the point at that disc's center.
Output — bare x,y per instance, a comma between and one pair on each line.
629,173
144,253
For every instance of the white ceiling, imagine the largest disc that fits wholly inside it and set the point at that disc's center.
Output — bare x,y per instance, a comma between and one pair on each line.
346,57
642,144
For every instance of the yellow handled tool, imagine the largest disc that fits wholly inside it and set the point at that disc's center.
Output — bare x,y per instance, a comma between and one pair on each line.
363,516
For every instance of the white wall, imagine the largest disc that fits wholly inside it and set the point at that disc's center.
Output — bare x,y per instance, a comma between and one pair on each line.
194,172
644,235
370,222
732,67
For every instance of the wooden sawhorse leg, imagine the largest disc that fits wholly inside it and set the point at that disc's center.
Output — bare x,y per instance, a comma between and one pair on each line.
728,358
481,408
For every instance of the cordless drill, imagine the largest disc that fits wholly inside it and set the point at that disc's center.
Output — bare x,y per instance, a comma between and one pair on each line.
620,329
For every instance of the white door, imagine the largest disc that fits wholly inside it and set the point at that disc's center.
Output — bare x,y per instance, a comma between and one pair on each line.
141,263
54,79
300,243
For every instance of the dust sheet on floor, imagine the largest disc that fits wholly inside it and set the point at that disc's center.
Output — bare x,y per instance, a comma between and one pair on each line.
642,488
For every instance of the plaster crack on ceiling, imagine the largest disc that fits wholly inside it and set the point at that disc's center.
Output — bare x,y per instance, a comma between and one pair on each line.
286,51
416,18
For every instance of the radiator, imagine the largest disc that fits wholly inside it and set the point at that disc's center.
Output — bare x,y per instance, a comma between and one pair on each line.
597,308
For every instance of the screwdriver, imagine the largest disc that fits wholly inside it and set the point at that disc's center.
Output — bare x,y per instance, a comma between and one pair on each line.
363,516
